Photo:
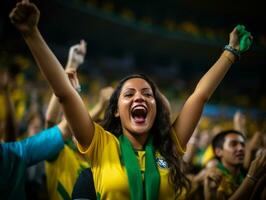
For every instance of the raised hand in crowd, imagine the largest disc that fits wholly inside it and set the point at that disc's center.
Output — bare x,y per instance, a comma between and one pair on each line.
75,59
240,122
104,97
212,180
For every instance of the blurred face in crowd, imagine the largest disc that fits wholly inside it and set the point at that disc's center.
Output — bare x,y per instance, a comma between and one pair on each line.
233,150
136,107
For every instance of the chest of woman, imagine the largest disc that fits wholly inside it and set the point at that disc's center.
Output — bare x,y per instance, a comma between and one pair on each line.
111,181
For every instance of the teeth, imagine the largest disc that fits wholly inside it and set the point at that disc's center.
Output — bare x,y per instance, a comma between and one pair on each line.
139,107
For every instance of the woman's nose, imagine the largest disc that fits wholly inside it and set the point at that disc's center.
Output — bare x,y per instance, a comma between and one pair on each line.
138,97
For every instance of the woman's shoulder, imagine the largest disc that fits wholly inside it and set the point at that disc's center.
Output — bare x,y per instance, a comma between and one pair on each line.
100,130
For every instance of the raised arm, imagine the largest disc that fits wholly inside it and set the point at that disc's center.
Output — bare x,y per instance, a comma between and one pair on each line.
191,111
53,112
246,188
25,17
256,171
252,147
75,59
104,97
240,122
212,179
259,191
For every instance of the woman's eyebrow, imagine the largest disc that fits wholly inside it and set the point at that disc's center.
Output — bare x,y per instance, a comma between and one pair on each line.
143,89
128,89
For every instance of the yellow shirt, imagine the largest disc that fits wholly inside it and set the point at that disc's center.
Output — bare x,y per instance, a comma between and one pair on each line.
110,179
63,172
207,156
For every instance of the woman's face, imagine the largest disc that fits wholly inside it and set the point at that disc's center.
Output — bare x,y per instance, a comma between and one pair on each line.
136,107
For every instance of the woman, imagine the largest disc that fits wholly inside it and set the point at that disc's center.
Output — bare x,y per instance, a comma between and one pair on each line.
136,122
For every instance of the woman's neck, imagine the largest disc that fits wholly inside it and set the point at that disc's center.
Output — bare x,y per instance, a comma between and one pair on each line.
137,140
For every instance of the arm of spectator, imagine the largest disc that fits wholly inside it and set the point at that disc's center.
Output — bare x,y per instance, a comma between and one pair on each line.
196,180
256,171
212,180
104,97
52,115
259,189
192,109
191,146
252,146
75,59
25,17
240,122
42,146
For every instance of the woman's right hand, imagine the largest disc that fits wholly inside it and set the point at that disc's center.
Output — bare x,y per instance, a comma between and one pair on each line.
25,16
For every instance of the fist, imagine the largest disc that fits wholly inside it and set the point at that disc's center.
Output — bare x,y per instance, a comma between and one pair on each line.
239,118
25,16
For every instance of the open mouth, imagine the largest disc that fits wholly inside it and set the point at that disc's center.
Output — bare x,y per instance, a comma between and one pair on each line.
139,113
240,156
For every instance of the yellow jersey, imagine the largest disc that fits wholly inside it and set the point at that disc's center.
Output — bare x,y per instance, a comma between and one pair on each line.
62,173
110,178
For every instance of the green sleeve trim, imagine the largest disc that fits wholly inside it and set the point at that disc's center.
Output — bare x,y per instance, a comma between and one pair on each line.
98,196
62,191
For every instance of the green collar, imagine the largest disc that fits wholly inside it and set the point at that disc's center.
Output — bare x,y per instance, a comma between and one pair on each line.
236,179
140,190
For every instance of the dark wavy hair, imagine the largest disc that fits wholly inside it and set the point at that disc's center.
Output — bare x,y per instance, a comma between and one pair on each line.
161,130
